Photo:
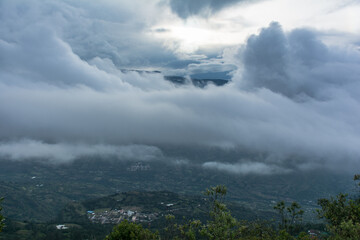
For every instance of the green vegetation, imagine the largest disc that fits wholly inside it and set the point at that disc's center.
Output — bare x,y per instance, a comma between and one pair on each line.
15,230
160,202
75,217
131,231
342,215
36,191
38,197
220,225
290,217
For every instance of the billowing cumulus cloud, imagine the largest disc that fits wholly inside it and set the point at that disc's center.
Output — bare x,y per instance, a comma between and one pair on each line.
297,64
118,30
293,99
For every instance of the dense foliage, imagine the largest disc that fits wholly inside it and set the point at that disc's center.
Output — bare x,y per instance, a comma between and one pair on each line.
131,231
221,225
290,217
341,213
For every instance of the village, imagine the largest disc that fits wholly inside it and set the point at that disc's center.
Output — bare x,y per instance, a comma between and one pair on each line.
115,216
138,166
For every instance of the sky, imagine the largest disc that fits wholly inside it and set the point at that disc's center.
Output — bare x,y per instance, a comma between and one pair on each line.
68,86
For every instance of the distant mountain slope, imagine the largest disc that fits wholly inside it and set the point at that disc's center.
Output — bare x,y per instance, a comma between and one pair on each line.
24,202
94,218
143,204
198,82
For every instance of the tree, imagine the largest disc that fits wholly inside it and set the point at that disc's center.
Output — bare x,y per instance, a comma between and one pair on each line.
289,216
188,230
342,215
131,231
222,225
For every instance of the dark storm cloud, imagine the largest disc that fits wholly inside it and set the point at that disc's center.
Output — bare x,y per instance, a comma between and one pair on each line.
187,8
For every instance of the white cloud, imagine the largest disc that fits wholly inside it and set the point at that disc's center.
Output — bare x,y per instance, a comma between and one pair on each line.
65,152
246,168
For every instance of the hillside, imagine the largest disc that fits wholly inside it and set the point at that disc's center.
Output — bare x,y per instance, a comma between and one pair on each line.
35,191
96,217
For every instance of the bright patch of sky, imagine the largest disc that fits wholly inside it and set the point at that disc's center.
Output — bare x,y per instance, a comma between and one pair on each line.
234,24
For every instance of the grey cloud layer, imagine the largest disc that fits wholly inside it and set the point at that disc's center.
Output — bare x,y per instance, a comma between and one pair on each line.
187,8
293,98
117,30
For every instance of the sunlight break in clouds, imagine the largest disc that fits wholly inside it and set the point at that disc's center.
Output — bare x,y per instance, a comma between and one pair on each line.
235,20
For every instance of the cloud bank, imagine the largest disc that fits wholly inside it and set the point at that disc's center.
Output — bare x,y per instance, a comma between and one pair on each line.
293,98
64,152
246,168
117,30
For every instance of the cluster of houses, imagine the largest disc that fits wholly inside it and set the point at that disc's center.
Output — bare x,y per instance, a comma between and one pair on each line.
116,216
138,166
